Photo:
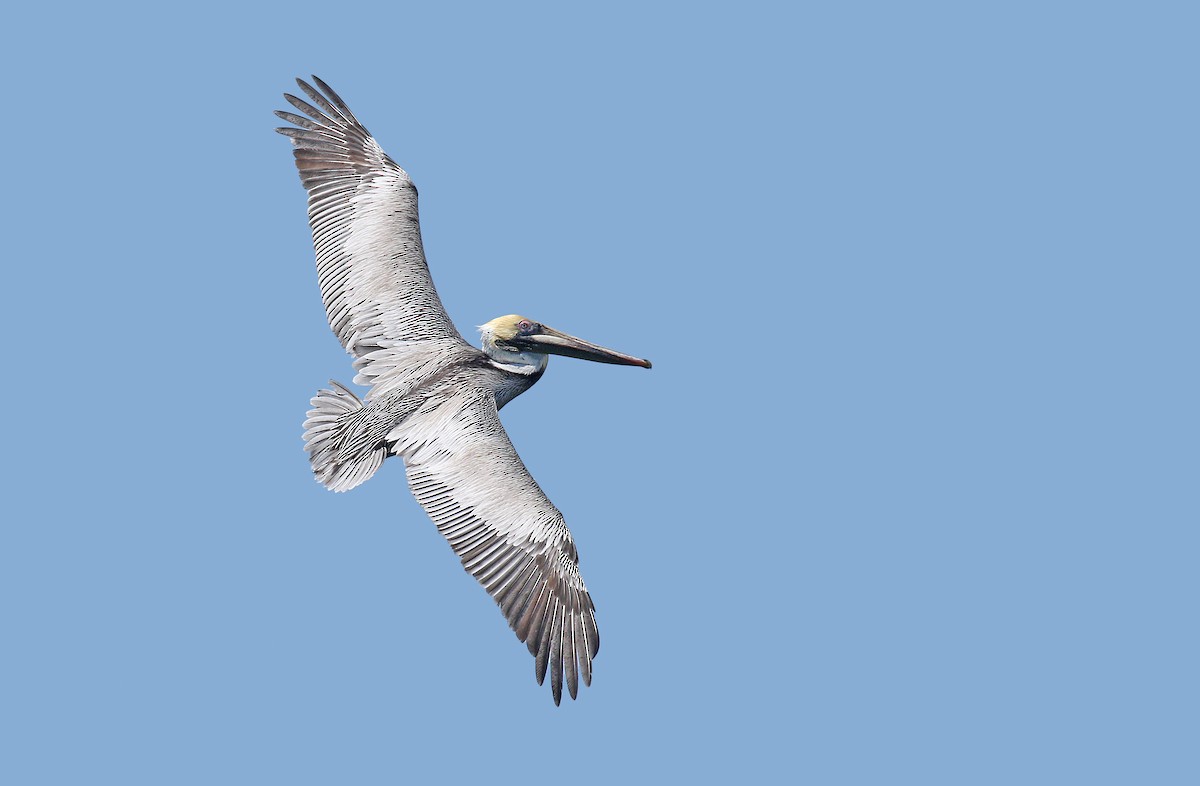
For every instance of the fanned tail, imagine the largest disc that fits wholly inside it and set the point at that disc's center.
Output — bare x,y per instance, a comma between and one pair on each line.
342,445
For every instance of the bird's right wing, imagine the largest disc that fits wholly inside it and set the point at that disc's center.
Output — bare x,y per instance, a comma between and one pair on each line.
464,471
363,211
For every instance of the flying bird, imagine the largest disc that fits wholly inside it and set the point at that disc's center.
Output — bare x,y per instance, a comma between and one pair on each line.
434,399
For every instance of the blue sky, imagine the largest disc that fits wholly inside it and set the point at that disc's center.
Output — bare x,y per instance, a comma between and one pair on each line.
908,497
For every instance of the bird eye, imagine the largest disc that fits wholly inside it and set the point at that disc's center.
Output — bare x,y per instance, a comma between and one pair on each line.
525,326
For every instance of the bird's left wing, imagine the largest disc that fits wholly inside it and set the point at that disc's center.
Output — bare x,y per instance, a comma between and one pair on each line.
464,471
363,210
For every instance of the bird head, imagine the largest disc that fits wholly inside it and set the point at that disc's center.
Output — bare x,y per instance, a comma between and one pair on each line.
515,339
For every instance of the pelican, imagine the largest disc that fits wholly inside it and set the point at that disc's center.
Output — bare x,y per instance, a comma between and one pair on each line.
434,399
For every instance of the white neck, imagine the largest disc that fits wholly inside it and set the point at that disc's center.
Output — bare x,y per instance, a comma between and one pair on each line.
526,363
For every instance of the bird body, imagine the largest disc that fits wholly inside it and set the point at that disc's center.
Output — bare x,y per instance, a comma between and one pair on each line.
433,399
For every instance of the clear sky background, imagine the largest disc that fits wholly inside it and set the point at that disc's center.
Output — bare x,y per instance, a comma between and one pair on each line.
910,495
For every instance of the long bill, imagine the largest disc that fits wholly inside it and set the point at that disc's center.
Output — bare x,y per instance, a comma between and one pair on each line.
553,342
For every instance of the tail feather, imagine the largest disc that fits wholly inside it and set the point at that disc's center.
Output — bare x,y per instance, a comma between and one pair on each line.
342,445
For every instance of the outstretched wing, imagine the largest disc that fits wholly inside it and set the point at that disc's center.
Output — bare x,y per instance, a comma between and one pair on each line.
464,471
363,211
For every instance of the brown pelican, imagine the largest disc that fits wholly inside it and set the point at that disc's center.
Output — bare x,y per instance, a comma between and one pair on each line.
434,399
